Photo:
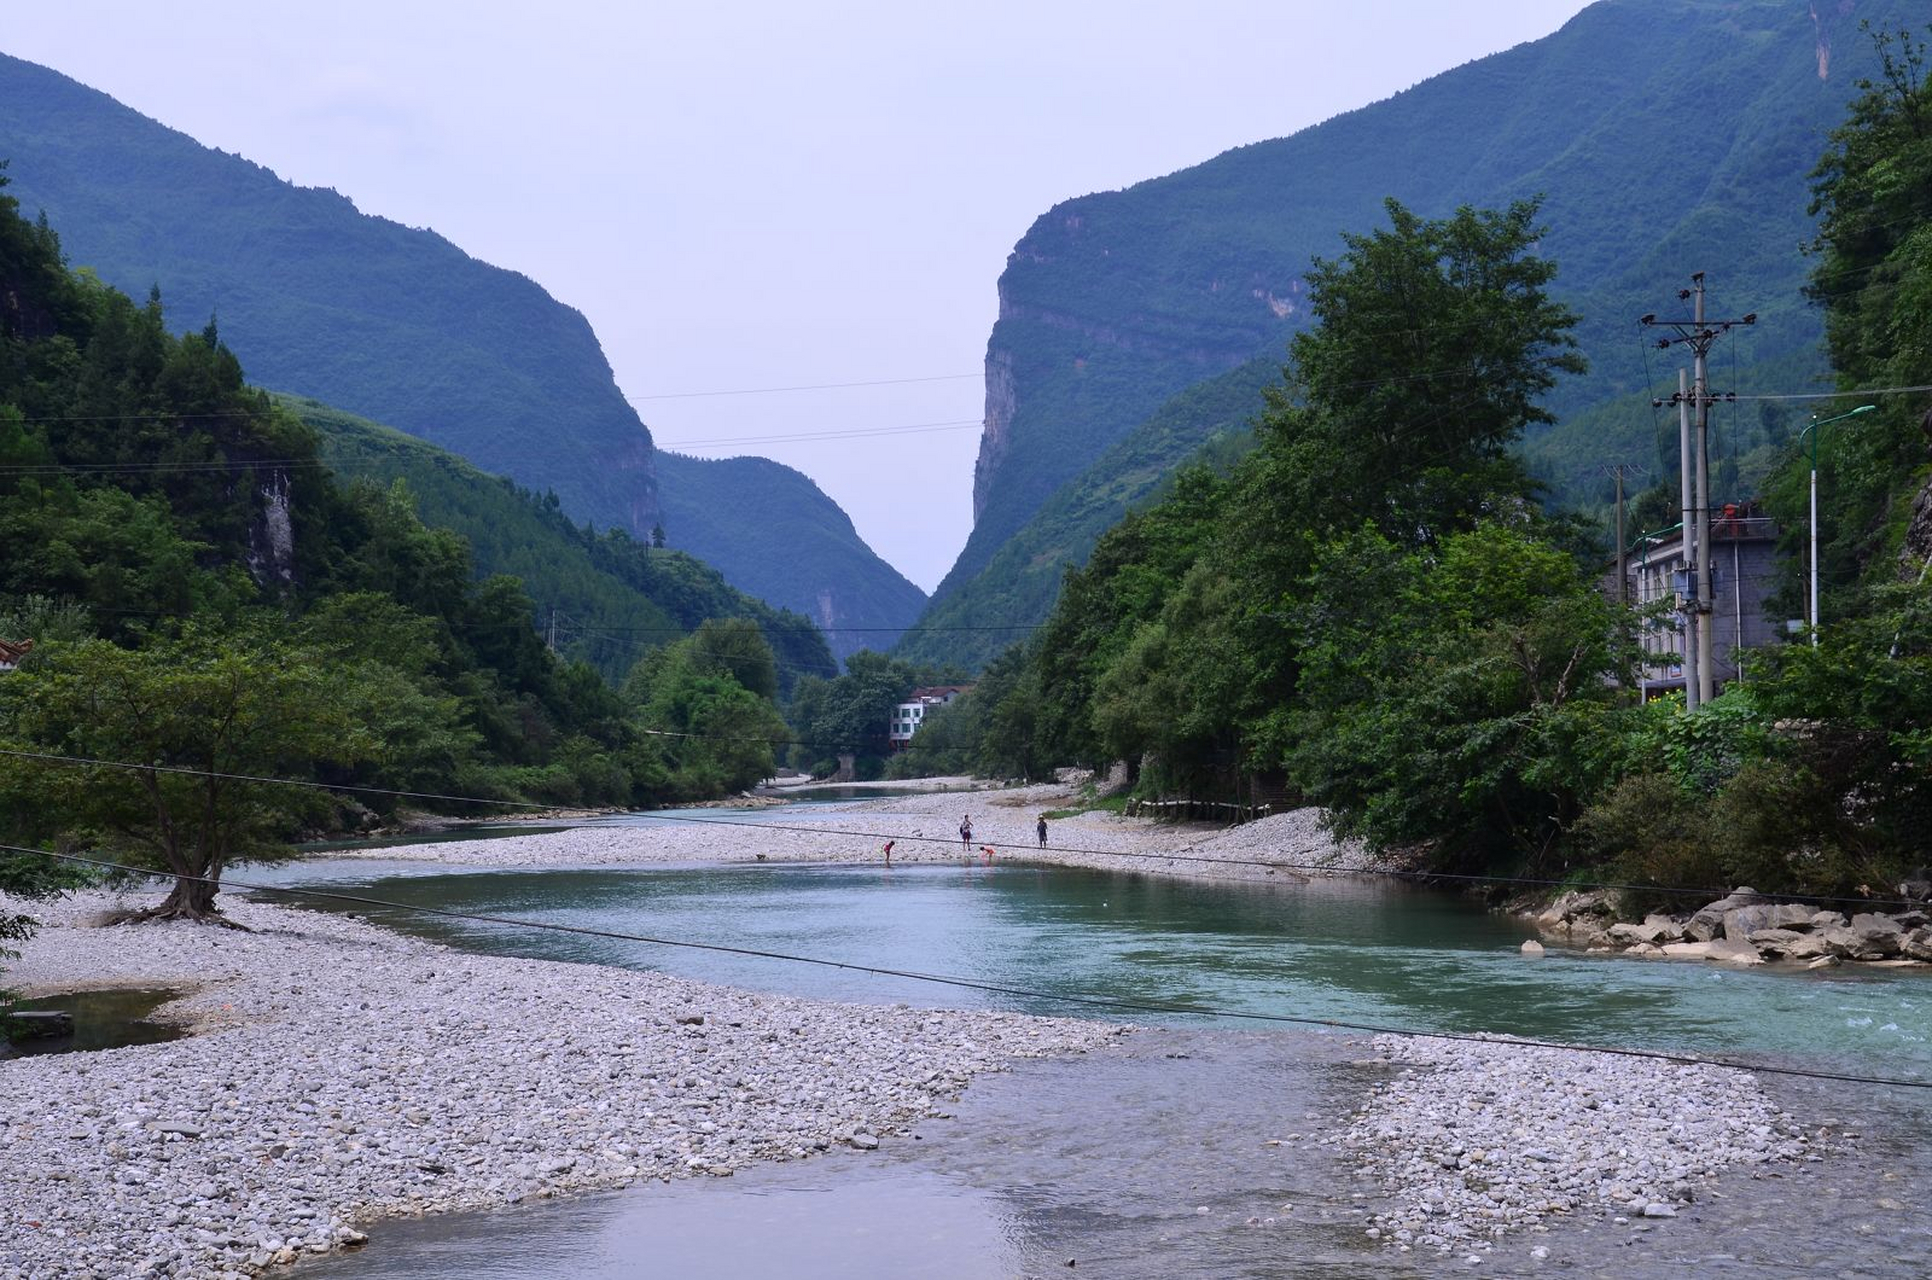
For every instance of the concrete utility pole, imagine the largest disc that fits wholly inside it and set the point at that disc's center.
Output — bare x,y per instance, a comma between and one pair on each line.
1623,550
1700,335
1689,528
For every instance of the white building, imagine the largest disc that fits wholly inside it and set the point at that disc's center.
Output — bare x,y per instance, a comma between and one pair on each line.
910,714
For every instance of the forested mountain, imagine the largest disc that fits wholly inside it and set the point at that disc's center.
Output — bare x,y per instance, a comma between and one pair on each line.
1208,421
605,597
1667,136
774,556
399,325
1370,611
196,595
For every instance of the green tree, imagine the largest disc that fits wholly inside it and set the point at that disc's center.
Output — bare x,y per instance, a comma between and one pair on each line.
189,715
1458,696
1872,194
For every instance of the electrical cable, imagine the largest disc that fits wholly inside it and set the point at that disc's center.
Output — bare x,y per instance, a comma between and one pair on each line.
811,386
1409,877
993,988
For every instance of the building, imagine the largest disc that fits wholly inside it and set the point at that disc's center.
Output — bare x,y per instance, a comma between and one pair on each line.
11,652
1744,567
910,714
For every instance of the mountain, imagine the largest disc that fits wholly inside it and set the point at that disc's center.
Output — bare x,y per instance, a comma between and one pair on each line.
1207,422
1665,137
770,555
605,597
399,325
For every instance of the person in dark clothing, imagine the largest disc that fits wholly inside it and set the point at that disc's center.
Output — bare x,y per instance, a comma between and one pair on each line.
1041,828
966,832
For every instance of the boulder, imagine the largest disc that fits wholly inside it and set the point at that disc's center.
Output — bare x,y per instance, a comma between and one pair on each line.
1825,919
1825,962
1917,944
1741,923
1648,933
1670,928
1810,946
1687,950
1791,915
1579,919
1732,951
1774,941
1876,936
1916,887
1708,922
1533,948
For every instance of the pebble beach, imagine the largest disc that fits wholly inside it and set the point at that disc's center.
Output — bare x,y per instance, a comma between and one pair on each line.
340,1074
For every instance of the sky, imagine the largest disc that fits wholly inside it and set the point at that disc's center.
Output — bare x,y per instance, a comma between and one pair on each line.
751,196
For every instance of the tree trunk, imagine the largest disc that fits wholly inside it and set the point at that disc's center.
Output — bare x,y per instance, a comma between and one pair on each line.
189,900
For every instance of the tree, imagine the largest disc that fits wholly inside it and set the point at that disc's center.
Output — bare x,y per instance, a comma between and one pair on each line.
1872,194
1460,695
188,715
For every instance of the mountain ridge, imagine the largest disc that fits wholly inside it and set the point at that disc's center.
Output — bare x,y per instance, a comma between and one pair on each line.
395,324
1112,303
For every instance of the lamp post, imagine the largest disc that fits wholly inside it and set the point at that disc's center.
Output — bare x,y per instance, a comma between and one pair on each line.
1811,429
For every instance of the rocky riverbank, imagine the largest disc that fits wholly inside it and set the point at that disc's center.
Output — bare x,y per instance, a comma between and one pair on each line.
343,1075
1744,928
1472,1141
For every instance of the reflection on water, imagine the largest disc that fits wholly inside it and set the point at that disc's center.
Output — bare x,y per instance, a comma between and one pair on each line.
1182,1152
1363,952
107,1019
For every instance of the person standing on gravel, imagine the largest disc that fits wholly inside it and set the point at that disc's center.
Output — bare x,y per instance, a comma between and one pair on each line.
1041,828
966,833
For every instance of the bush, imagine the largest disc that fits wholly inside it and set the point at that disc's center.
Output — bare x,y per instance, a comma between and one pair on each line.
1651,831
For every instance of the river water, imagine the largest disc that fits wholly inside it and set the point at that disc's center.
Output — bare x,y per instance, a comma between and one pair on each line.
1144,1162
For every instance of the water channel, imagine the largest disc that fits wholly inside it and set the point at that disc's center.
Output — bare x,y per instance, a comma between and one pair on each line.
1025,1176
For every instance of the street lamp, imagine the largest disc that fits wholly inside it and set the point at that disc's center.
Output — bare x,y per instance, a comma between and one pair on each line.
1812,430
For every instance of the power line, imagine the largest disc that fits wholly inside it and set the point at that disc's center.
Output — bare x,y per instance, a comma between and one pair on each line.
1407,877
1835,395
844,433
971,984
809,386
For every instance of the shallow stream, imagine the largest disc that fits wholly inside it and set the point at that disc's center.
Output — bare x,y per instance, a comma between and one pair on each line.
1144,1162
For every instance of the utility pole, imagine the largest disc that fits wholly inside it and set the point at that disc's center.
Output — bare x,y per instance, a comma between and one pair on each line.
1700,334
1623,549
1689,538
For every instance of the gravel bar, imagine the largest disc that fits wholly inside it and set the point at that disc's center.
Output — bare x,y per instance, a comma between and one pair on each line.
1471,1141
343,1074
924,828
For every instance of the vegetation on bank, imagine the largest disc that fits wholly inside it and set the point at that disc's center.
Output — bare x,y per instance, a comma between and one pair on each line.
210,605
401,326
1114,304
1374,611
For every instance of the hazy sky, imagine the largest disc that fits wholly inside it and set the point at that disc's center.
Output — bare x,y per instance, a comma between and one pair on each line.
747,196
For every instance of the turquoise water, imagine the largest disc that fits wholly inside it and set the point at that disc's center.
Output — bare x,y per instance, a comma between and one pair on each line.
1373,953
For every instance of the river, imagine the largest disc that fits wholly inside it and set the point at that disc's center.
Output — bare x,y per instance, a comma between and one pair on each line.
1143,1163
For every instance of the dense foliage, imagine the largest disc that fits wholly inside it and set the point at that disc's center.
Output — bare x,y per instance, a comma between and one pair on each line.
611,597
1373,611
207,601
398,324
1113,303
847,717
